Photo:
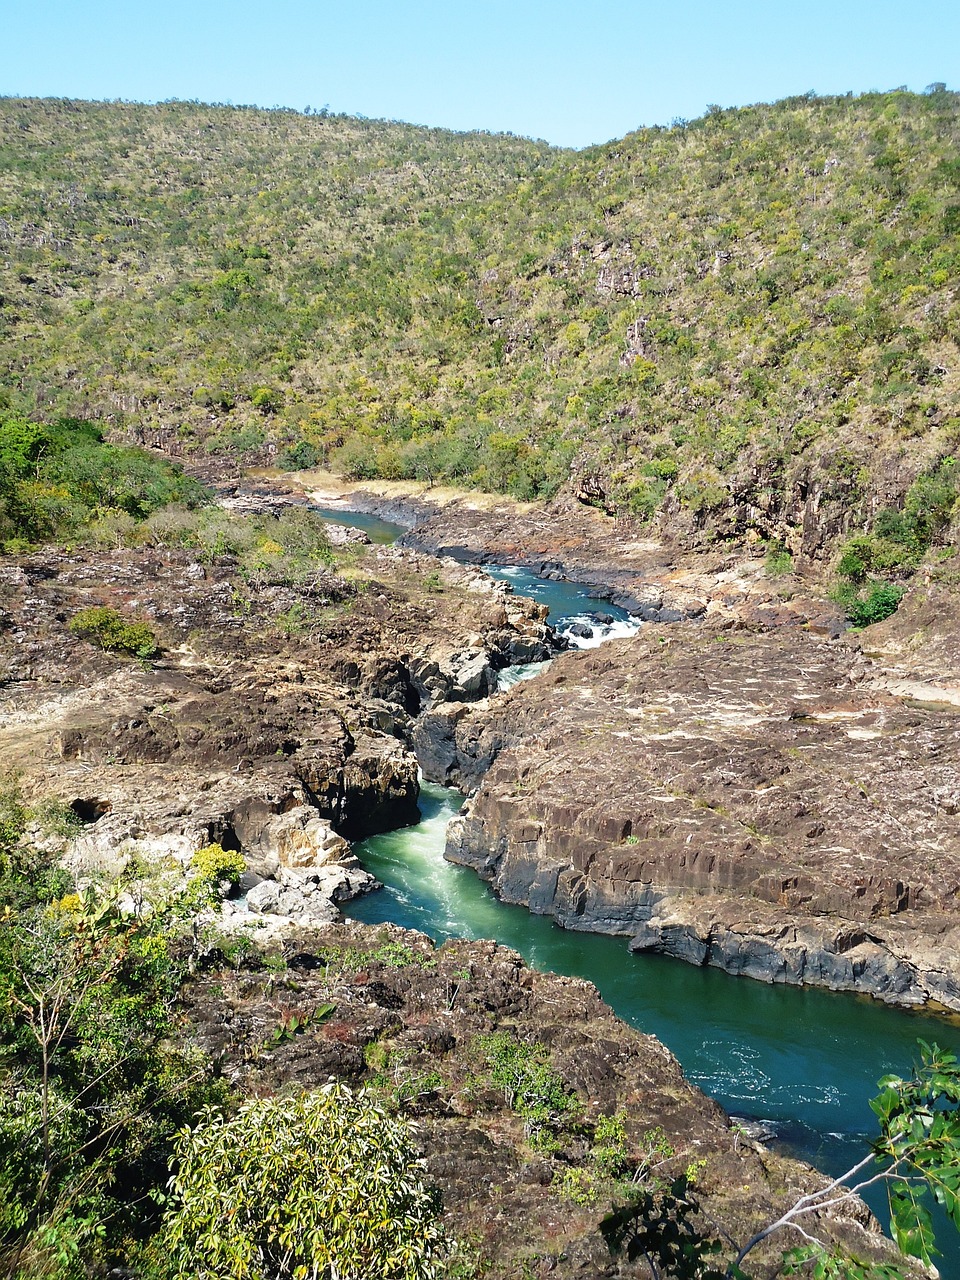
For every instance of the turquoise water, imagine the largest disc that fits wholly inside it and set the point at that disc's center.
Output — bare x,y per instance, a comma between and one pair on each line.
381,531
567,601
804,1060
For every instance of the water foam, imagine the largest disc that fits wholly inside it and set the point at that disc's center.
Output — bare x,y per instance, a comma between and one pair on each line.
615,629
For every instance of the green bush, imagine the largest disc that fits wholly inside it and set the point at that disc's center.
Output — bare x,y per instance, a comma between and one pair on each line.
900,539
213,870
882,601
299,457
266,399
13,813
778,561
111,631
531,1086
56,478
873,554
101,1082
325,1184
931,501
609,1151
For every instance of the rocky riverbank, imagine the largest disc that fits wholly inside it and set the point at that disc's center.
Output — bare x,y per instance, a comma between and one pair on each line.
653,577
283,719
758,802
275,718
381,1007
750,787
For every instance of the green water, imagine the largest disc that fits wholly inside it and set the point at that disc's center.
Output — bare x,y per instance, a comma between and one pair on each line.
804,1060
382,531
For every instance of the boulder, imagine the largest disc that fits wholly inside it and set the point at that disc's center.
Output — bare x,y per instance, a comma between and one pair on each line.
296,838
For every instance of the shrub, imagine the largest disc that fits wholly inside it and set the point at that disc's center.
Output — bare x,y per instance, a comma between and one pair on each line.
609,1151
266,399
325,1184
931,501
882,601
102,1081
216,873
778,561
299,457
107,628
13,812
531,1087
873,554
643,497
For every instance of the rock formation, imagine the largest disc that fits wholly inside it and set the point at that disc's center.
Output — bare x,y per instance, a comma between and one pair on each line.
760,802
275,720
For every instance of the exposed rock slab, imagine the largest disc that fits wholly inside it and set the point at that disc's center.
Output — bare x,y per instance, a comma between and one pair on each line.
757,802
275,719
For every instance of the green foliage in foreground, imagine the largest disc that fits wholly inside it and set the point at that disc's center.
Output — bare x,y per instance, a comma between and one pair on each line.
324,1185
917,1157
57,478
94,1081
920,1144
98,1091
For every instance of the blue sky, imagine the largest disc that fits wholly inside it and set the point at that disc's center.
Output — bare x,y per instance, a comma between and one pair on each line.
571,73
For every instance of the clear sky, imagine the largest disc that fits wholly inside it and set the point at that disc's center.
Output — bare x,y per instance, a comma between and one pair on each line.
573,73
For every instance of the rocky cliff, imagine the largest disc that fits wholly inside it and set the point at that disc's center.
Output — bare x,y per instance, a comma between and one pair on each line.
274,720
749,786
760,802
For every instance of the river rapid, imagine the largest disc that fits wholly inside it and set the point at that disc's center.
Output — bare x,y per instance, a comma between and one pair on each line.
801,1061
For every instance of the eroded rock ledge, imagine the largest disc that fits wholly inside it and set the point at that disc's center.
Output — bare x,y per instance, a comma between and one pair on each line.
759,802
276,719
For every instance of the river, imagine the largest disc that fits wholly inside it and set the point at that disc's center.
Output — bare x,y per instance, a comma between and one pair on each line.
802,1060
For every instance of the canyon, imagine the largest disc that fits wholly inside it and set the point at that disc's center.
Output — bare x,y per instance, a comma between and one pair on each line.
663,787
744,783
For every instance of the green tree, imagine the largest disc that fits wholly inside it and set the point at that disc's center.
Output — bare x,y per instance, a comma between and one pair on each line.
326,1185
916,1156
93,1085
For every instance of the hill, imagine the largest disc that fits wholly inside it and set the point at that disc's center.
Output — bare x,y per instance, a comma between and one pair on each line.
741,326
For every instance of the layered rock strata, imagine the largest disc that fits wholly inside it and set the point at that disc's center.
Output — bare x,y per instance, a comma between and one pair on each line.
759,802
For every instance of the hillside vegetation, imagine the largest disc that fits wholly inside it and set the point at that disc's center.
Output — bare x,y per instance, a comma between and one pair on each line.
742,325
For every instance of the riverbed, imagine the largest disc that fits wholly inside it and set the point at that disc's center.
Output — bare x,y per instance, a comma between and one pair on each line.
802,1061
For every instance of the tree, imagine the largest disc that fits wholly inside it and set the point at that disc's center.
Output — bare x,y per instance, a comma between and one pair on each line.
916,1157
93,1083
325,1185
